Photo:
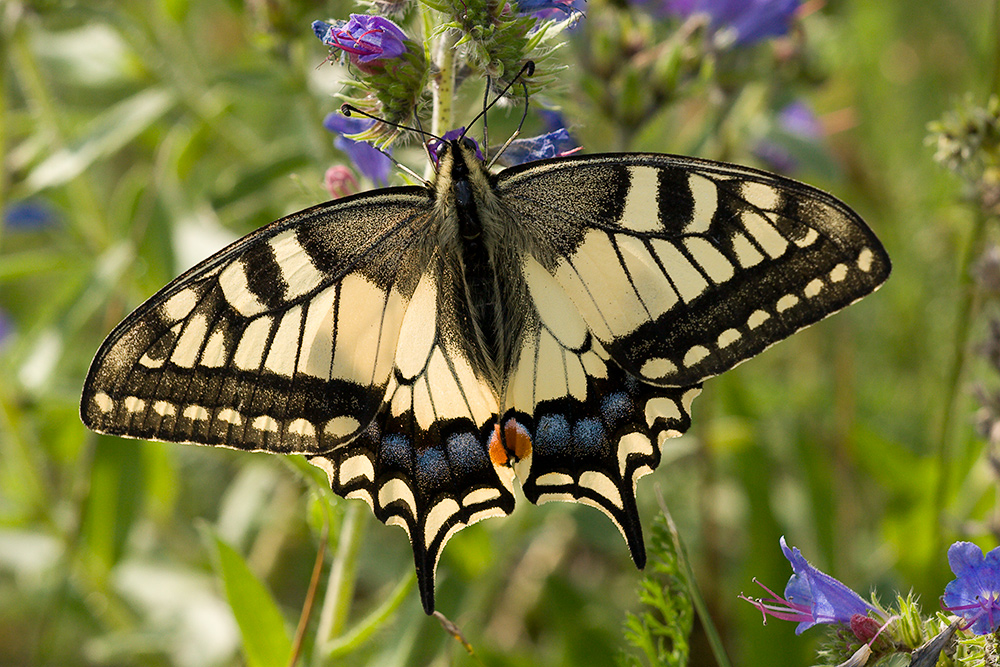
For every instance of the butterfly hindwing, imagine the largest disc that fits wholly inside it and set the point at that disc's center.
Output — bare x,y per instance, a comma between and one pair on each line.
683,268
426,463
283,341
584,430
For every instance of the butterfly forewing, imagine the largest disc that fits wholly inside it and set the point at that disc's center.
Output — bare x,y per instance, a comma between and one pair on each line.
683,268
284,341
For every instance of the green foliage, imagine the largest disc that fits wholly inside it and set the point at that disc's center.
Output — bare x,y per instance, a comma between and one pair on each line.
265,641
153,132
661,630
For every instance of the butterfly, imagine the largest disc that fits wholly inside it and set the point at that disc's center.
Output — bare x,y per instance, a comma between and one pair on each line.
426,345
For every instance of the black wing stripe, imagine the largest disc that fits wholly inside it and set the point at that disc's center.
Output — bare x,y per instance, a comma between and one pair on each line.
426,463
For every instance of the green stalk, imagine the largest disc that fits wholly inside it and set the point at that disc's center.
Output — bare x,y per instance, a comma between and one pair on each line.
88,217
963,329
444,89
340,589
967,308
6,30
711,633
995,83
361,632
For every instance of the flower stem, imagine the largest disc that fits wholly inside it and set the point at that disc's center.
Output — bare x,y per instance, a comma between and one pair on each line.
89,217
444,90
340,589
995,83
354,637
963,326
711,633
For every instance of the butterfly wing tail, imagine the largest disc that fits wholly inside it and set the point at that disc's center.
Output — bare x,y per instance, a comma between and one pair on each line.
430,484
590,430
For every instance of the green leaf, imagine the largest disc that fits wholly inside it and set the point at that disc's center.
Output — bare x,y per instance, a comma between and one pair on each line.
116,495
103,136
265,641
661,629
21,265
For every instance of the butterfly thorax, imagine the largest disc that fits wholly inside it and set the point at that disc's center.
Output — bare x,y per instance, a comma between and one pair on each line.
472,237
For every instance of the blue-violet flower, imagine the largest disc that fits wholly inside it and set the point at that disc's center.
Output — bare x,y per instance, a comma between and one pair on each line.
811,596
369,160
739,22
6,328
975,593
365,38
29,215
551,144
534,6
798,119
797,126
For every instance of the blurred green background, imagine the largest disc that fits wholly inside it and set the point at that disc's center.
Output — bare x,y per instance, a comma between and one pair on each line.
136,138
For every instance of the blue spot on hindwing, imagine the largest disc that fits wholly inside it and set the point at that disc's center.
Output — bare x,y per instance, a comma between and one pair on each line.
589,436
396,451
432,469
465,453
616,408
553,435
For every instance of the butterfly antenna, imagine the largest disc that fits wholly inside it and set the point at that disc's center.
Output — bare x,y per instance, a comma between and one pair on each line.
349,109
427,144
527,70
516,132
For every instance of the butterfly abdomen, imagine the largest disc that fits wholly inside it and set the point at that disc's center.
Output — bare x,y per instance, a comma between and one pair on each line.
471,238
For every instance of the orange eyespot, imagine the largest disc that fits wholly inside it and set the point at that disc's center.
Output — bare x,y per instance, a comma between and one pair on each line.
498,455
517,439
515,443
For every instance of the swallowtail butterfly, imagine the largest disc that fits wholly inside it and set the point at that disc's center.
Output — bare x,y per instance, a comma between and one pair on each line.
426,345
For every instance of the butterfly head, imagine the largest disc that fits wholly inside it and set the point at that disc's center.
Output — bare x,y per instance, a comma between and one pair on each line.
453,142
461,173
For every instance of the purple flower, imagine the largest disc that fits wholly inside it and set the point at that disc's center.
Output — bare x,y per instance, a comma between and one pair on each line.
738,22
796,129
6,328
28,215
532,6
799,120
975,593
365,38
551,144
548,9
811,596
369,161
434,146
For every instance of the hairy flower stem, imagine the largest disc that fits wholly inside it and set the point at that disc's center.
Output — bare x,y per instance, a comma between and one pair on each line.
444,90
990,655
700,606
